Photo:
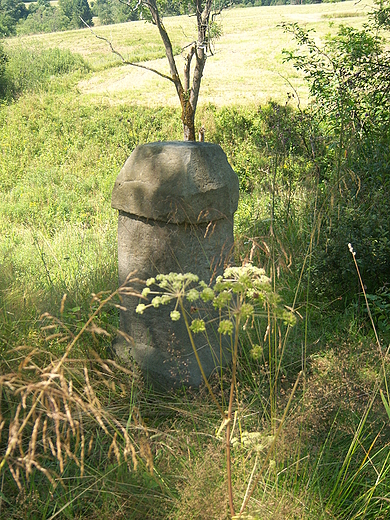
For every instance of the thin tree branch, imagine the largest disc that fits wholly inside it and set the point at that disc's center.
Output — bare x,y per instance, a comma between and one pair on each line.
187,67
127,3
152,6
124,61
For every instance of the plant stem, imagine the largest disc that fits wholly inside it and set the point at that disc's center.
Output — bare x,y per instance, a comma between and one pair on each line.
229,415
183,311
271,448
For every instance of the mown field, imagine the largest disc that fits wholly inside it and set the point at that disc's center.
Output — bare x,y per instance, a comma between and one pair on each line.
73,116
247,67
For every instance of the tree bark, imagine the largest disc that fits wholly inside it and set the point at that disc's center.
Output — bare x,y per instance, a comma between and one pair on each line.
188,95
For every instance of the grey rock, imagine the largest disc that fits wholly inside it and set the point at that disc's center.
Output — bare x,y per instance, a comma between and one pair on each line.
176,202
177,182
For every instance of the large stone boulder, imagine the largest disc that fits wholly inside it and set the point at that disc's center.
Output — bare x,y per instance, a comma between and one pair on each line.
176,202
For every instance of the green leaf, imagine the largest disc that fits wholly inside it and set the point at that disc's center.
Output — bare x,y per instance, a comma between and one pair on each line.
385,403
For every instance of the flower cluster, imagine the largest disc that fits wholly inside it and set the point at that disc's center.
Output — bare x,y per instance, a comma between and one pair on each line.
236,295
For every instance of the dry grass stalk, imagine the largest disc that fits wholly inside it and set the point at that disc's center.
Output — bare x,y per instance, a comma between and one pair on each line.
51,407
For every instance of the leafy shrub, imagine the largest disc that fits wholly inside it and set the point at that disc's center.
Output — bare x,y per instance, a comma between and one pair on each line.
30,69
348,79
365,224
380,309
260,140
43,19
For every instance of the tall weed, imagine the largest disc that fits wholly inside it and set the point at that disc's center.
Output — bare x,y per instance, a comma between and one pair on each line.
57,411
35,69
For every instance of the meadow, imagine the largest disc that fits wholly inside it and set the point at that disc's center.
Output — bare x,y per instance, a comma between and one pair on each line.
92,440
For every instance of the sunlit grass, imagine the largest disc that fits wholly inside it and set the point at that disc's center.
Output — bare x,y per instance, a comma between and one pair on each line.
247,66
60,152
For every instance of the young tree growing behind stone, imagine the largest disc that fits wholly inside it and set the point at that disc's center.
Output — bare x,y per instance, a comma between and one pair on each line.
187,85
187,90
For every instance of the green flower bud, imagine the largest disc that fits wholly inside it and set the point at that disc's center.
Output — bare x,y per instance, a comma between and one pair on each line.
207,294
175,315
198,326
225,327
192,295
140,308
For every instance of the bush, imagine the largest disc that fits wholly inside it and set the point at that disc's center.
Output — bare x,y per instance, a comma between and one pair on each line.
348,79
260,140
30,69
43,19
363,222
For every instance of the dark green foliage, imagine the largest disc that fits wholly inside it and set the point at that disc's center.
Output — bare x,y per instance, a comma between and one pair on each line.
76,11
349,79
381,14
365,224
11,11
114,11
43,18
380,310
269,149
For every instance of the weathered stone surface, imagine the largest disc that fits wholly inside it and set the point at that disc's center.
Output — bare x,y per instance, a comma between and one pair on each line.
175,215
177,182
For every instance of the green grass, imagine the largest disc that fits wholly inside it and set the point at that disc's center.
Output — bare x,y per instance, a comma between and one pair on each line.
247,66
62,145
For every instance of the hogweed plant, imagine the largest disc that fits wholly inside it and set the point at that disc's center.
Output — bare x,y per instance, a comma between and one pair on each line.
239,297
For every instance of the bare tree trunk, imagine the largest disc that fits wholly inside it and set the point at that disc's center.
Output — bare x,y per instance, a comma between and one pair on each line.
188,95
188,118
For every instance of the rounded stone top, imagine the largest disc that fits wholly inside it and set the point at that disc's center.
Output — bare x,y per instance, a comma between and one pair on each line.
177,181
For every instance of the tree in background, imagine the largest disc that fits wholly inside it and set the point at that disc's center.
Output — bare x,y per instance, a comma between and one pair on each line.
113,11
76,11
11,11
43,18
196,53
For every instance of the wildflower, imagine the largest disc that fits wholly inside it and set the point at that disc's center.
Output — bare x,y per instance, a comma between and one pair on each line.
190,277
156,302
256,352
192,295
145,292
175,315
246,310
225,327
198,326
207,294
222,300
140,308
